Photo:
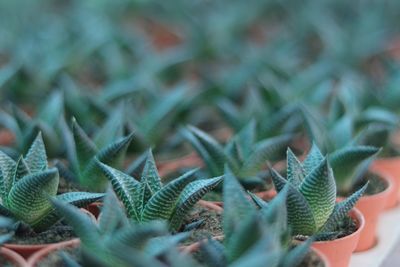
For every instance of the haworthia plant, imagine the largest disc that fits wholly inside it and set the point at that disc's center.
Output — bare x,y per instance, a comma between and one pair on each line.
311,200
350,165
117,241
147,199
253,238
25,128
244,156
83,154
27,184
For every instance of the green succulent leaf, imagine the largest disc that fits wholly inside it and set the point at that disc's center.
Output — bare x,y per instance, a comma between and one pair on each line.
314,157
84,147
319,189
192,193
161,205
342,209
36,158
28,198
125,186
208,148
295,171
346,161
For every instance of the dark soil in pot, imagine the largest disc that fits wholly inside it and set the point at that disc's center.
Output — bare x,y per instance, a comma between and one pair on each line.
312,260
206,223
375,186
346,227
57,233
55,259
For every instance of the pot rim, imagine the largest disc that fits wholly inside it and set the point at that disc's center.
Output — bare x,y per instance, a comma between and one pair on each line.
39,255
388,190
13,257
357,215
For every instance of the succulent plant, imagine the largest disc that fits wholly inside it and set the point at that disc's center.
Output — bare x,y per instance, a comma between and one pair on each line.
311,200
27,184
350,150
147,199
253,238
118,241
242,153
83,154
25,128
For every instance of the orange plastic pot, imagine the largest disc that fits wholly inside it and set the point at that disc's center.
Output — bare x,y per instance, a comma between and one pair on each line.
13,257
36,258
389,167
338,252
372,207
28,250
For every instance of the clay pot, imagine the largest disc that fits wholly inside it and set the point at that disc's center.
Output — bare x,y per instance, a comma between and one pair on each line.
390,168
13,257
371,207
188,161
27,250
6,137
35,259
338,251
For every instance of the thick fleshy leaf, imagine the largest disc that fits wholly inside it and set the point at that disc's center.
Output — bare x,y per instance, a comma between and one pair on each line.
313,159
125,186
214,253
296,255
268,149
300,215
161,205
236,204
319,189
208,148
21,170
295,171
111,155
139,235
192,193
36,158
112,128
112,216
342,209
84,147
150,176
7,167
246,234
80,199
28,198
346,161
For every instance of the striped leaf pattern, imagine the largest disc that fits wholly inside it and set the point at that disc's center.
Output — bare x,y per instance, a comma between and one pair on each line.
342,209
125,186
319,189
149,200
311,194
27,185
161,204
192,193
36,158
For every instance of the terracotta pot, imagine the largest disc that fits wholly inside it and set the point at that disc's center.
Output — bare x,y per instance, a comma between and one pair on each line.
95,208
13,257
169,166
389,167
6,137
27,250
35,259
371,207
267,195
338,251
